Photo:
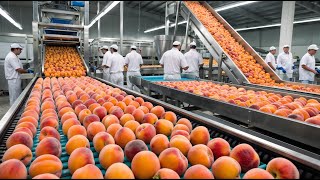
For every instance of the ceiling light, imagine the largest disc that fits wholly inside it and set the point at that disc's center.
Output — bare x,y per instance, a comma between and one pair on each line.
233,5
7,16
104,12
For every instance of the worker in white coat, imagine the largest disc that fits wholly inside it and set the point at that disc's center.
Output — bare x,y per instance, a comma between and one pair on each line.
285,64
171,61
270,60
194,60
106,56
133,61
307,65
116,64
12,69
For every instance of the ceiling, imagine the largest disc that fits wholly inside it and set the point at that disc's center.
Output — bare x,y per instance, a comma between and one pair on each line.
255,14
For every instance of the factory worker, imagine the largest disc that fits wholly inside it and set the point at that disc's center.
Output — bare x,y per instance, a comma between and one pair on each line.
307,65
106,56
133,61
270,60
194,60
116,64
285,63
172,60
12,69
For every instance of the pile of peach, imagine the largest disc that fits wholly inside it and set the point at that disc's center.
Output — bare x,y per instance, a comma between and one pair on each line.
63,61
121,127
302,109
242,58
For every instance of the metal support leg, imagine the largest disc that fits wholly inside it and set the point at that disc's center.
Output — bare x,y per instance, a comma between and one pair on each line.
176,22
184,43
222,57
210,67
36,60
121,26
86,32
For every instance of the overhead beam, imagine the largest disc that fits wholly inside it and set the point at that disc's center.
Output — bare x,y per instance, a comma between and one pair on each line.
309,6
156,5
147,4
160,6
250,15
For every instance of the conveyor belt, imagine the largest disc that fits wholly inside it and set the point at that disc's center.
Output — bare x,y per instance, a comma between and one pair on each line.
309,166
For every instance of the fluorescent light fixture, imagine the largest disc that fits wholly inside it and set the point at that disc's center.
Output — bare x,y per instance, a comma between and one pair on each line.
162,27
277,25
112,5
234,5
7,16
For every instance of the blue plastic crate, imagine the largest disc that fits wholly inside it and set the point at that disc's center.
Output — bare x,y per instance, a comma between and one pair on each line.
77,3
61,21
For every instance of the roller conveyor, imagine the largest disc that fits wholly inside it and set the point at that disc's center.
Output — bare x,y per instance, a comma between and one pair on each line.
307,163
304,134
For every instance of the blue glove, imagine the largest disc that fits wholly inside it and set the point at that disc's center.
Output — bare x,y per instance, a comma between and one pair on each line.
281,68
318,70
293,67
29,71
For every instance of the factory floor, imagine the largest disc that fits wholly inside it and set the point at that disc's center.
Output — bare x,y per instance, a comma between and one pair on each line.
4,105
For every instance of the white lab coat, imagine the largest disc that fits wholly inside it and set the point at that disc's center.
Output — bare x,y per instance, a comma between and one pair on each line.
194,59
286,61
133,60
106,71
173,60
11,63
309,61
270,58
116,63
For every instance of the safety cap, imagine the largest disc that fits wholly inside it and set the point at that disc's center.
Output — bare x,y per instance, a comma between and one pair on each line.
272,48
114,46
193,44
133,47
104,47
286,46
313,46
176,43
16,45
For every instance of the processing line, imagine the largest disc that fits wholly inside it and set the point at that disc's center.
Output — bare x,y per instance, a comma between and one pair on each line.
307,163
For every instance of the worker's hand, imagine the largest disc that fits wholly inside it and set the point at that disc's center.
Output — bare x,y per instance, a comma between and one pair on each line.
30,71
283,70
317,71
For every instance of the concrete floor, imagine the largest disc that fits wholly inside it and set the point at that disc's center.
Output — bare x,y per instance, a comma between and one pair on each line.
4,105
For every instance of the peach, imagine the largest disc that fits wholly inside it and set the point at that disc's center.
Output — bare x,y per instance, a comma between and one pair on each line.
125,118
312,111
49,131
132,125
67,116
298,117
165,173
159,143
19,138
88,171
135,104
79,108
257,173
79,158
139,100
171,116
32,113
89,119
281,168
29,119
20,152
283,112
163,127
84,97
117,112
102,139
62,105
302,112
149,105
182,143
186,122
145,132
23,129
75,130
123,136
139,168
54,115
144,109
313,120
72,98
50,121
199,135
110,154
129,109
46,164
226,164
200,154
46,176
107,105
149,118
180,132
138,115
88,102
246,156
76,103
133,147
75,142
173,159
219,147
68,123
113,100
29,125
101,112
94,128
33,108
47,105
198,172
13,169
113,128
158,111
49,145
119,171
121,105
65,110
94,106
181,127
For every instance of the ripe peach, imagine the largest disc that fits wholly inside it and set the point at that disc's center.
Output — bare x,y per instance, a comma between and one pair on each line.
49,145
145,132
129,109
125,118
88,102
135,104
46,164
257,173
13,169
79,158
139,168
314,120
199,135
113,128
139,100
33,108
133,147
67,116
75,130
62,105
165,173
144,109
89,119
312,111
110,119
65,110
138,115
180,132
94,106
198,172
186,122
303,112
113,100
172,158
46,176
94,128
182,143
75,142
181,127
50,121
171,116
101,112
30,119
32,113
200,154
19,138
283,112
117,112
67,124
23,129
121,105
246,156
49,131
159,143
119,171
47,105
149,105
101,101
20,152
163,127
76,103
149,118
298,117
158,111
219,147
132,125
29,125
89,171
110,154
83,114
102,139
123,136
79,108
281,168
107,105
226,164
72,98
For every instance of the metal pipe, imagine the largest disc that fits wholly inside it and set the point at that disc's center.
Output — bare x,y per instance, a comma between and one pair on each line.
210,67
98,10
86,32
35,11
176,23
121,26
166,29
184,42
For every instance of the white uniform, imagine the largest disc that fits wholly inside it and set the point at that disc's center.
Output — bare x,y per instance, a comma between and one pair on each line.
172,61
270,58
194,59
305,75
285,60
116,63
11,63
133,60
106,71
